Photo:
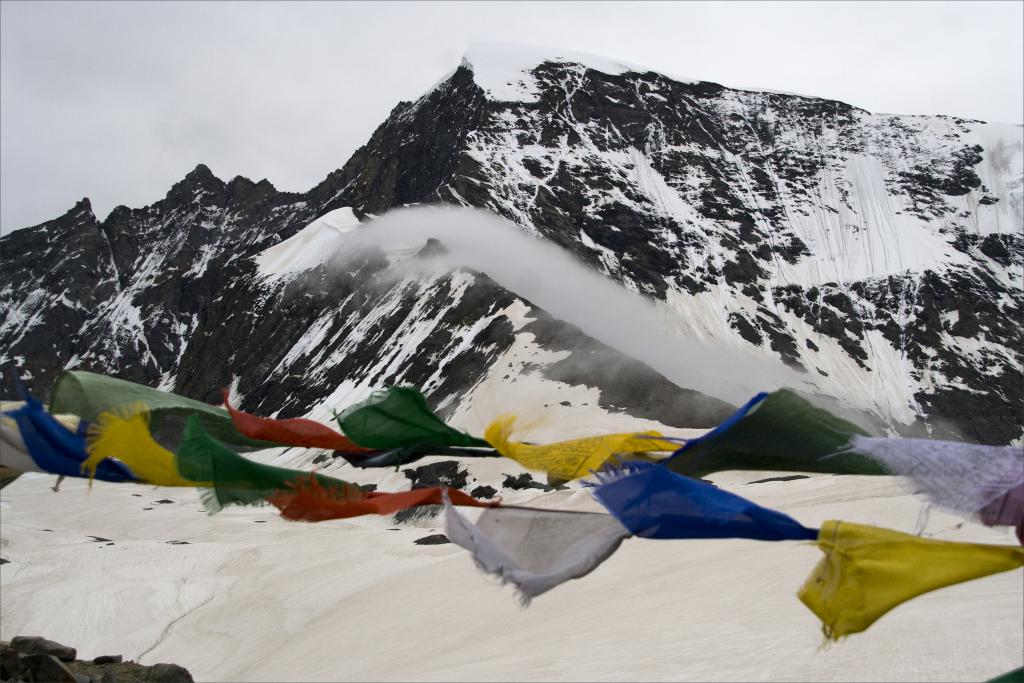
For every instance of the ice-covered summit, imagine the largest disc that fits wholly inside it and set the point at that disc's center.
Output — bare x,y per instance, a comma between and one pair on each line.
503,69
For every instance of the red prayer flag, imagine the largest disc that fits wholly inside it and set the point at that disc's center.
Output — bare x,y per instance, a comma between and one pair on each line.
295,431
311,502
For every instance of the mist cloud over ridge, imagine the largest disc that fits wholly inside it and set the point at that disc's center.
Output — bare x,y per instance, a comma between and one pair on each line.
551,278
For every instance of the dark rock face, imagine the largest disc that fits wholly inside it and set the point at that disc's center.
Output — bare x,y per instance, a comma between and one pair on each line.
28,659
48,668
796,220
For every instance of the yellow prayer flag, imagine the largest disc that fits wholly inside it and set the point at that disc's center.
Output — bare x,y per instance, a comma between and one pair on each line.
125,436
867,571
567,460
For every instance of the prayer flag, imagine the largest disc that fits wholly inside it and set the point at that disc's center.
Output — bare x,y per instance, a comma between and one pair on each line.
124,434
1015,676
568,460
88,394
51,446
309,501
654,502
401,456
1007,510
398,417
535,550
780,431
962,477
294,431
867,571
236,480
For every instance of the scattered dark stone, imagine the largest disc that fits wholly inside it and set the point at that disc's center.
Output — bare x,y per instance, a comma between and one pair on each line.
163,501
168,673
564,403
48,668
36,645
99,539
526,481
137,495
444,473
108,659
3,561
484,492
789,477
147,508
433,539
259,521
50,530
368,487
811,345
416,513
178,543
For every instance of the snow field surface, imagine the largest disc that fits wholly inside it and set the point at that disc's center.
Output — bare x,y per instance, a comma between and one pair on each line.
253,597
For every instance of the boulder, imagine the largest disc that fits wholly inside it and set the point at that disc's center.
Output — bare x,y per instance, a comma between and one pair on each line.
168,673
48,668
11,666
35,645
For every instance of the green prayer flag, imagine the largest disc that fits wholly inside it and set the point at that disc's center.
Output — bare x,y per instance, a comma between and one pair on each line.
236,480
1015,676
87,394
781,432
397,417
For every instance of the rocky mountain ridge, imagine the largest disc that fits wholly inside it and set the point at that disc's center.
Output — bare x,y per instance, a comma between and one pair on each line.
881,256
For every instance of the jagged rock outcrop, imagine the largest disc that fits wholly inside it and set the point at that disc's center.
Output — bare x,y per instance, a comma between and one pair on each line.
32,659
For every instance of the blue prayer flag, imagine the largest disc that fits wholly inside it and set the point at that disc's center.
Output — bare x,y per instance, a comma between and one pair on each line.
654,502
55,448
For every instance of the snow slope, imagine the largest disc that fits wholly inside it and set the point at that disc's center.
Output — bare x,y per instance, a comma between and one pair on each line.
247,596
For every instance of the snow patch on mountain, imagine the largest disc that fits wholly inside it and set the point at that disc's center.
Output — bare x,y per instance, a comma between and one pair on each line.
502,69
310,246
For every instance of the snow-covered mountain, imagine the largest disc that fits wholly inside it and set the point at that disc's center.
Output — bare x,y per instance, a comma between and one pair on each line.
879,256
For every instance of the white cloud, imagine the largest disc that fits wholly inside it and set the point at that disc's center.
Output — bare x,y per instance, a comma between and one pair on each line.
553,279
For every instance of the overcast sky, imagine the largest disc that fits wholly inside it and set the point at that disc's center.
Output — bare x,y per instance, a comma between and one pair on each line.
117,101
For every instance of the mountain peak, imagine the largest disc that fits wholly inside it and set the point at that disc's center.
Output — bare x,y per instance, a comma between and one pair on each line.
503,69
199,178
201,172
81,211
